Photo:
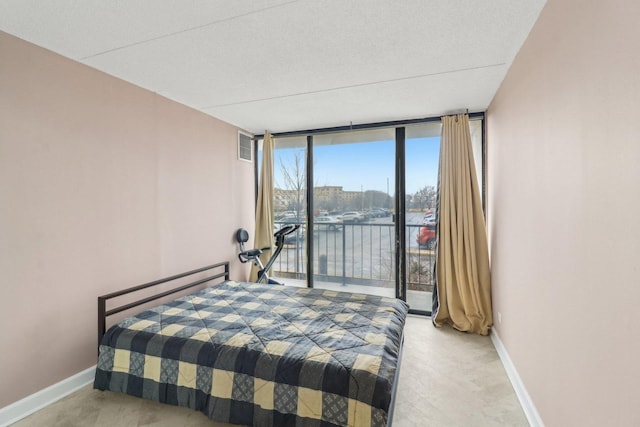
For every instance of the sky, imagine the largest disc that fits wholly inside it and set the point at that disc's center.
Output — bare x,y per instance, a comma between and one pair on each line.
368,165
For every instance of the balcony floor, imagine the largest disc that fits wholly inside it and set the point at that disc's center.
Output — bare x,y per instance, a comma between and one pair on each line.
417,300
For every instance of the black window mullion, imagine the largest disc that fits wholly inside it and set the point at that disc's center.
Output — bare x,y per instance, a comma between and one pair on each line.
401,270
309,218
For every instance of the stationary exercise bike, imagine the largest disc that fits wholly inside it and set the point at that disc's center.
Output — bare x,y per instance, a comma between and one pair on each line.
253,255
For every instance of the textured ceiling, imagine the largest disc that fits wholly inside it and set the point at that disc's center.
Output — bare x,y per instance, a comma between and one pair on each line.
290,65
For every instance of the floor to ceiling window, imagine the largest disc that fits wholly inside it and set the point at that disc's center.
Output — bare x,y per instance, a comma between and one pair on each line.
353,196
341,188
289,204
422,152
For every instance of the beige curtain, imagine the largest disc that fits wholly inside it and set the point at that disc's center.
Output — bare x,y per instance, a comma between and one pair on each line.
463,284
264,209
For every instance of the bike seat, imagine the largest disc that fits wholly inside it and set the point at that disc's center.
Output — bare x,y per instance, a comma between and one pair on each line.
251,253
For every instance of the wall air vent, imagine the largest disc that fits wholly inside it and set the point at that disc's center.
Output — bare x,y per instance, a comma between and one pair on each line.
245,151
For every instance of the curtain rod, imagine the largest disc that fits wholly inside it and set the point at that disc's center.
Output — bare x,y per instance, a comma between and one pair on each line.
351,127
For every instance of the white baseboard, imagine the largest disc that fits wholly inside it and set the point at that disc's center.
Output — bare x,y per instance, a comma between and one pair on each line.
528,407
30,404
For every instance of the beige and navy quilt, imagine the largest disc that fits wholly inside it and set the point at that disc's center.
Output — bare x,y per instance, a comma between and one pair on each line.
263,355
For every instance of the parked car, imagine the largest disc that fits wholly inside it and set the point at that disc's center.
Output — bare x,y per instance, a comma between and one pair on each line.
427,236
428,219
290,220
285,216
351,216
378,213
327,223
294,238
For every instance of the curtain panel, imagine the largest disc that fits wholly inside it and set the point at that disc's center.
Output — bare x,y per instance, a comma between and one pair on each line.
462,296
264,208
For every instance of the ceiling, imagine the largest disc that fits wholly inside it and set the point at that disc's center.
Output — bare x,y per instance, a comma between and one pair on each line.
290,65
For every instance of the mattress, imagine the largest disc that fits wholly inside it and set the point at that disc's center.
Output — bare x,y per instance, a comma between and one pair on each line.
257,354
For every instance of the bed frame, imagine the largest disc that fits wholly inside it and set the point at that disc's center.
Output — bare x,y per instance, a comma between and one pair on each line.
394,386
103,313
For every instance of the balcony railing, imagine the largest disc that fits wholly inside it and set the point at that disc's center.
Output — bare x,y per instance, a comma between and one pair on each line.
357,253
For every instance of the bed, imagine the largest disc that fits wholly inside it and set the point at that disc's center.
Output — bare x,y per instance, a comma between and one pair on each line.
257,354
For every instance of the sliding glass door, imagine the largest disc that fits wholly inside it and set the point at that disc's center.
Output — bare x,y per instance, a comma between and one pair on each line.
289,206
353,230
341,188
422,151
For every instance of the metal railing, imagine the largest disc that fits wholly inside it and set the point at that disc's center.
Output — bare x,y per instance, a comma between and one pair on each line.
356,253
420,262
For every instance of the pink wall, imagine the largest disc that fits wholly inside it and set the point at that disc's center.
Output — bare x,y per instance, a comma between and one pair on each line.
564,209
103,185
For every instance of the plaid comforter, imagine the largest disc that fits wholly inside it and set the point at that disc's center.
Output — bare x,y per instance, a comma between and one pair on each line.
263,355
